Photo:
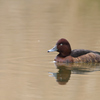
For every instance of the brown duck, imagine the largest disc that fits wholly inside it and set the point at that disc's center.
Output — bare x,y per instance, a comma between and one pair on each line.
66,55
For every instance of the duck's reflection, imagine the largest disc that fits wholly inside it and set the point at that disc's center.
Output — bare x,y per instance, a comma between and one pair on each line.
65,70
63,74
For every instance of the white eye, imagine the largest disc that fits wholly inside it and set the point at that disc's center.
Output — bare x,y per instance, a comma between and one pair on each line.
61,44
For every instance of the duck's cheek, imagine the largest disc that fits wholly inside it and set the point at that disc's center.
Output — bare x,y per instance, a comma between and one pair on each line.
59,48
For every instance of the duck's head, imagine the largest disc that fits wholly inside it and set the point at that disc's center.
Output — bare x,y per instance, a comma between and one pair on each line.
63,47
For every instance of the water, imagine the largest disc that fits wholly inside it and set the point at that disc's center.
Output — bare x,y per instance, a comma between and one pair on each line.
31,27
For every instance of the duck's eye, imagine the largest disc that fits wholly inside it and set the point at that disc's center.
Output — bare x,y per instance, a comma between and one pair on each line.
61,44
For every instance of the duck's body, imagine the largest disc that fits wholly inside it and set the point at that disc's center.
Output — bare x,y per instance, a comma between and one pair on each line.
74,56
81,55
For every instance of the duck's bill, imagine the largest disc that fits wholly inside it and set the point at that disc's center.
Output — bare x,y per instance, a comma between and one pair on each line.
53,49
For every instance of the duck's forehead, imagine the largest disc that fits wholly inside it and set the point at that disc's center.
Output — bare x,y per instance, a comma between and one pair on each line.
62,41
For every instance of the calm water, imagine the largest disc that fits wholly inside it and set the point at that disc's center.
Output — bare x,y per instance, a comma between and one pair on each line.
28,28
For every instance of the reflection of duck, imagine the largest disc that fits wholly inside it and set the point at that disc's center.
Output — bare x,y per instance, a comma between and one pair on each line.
63,75
80,68
77,55
65,70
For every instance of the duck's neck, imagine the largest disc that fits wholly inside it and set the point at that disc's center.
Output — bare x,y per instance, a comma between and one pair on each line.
61,54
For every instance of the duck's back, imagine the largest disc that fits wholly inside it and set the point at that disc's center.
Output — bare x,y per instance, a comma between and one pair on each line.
81,55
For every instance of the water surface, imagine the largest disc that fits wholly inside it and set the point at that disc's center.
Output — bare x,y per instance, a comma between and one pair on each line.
31,27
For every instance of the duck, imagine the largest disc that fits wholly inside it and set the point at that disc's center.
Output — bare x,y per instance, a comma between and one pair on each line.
67,55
